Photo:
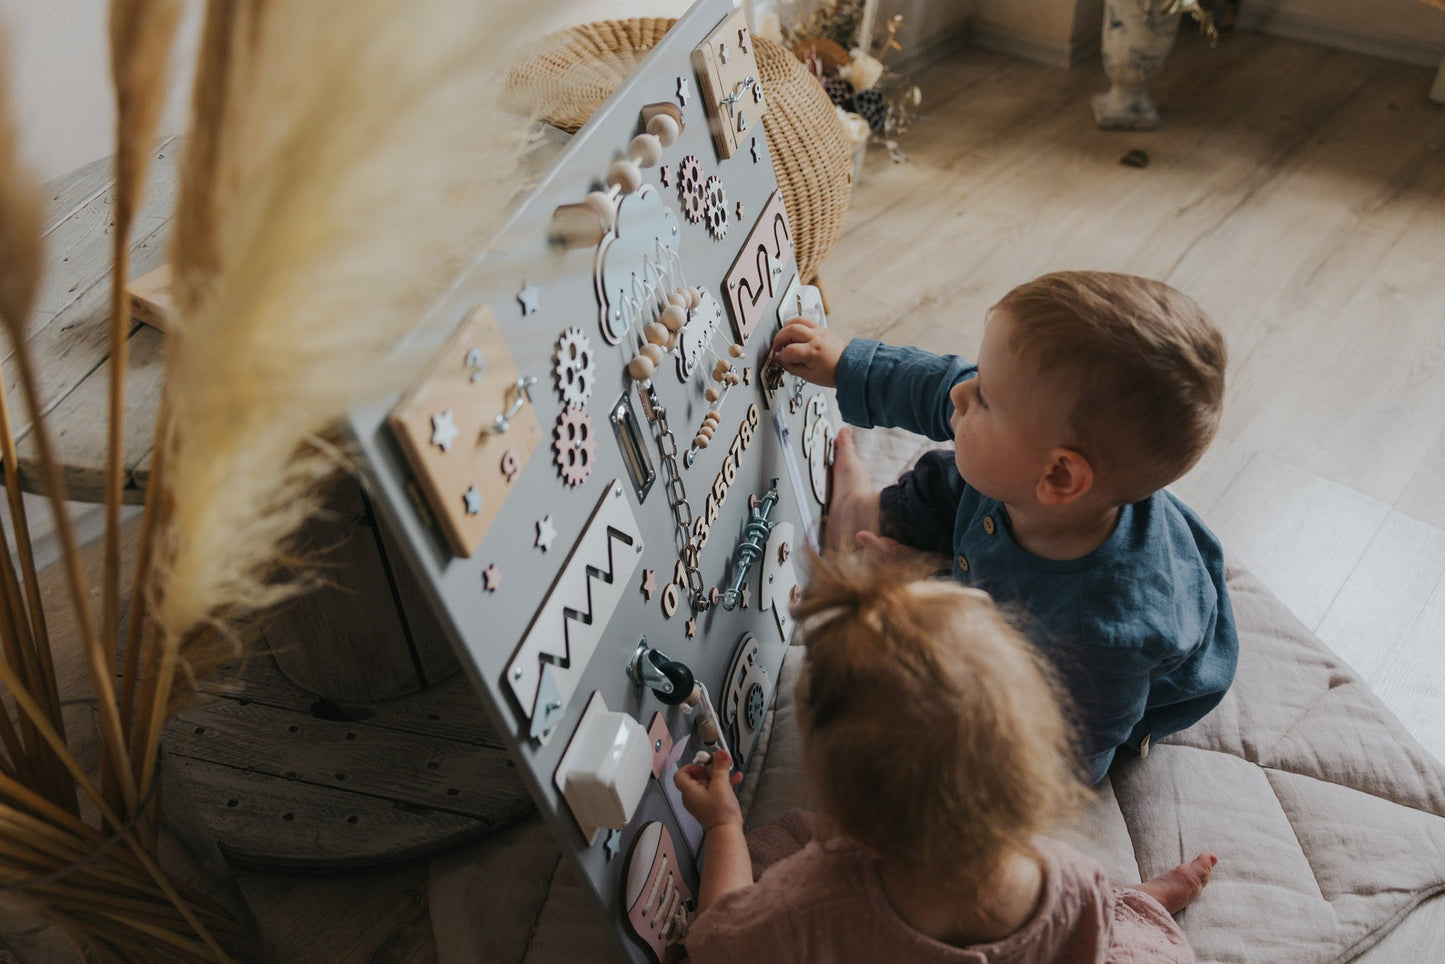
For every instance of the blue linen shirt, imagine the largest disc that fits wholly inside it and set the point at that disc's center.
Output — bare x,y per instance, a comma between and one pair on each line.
1140,629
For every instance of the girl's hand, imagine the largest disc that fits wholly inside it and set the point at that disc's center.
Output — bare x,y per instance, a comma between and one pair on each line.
809,351
707,792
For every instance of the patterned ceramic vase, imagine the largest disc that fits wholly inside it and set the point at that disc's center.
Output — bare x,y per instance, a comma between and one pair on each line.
1137,36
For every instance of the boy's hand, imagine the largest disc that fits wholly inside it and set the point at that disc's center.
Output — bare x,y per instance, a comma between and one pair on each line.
809,351
707,792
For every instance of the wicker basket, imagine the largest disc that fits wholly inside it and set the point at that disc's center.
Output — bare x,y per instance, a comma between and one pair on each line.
577,69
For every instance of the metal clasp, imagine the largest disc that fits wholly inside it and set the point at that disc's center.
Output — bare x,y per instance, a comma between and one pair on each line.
522,394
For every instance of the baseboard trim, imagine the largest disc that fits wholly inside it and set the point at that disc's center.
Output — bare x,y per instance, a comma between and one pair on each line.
1311,30
922,56
1010,44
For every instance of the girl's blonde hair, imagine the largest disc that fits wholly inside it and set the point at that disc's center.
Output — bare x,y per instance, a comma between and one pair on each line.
935,735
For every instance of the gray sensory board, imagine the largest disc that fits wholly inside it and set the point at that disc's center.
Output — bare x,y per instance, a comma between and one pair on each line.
550,604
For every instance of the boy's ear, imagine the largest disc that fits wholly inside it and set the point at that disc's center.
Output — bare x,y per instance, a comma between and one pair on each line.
1068,478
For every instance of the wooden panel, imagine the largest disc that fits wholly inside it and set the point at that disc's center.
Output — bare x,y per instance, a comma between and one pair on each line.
730,84
474,381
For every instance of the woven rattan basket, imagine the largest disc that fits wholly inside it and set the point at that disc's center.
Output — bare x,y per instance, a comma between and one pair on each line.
577,69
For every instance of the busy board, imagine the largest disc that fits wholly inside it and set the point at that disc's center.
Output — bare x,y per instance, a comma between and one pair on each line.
602,483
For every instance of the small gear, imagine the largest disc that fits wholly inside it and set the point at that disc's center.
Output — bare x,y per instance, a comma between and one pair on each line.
716,208
692,206
573,445
575,369
689,188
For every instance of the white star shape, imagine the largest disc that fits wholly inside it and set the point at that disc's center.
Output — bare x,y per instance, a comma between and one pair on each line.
473,498
444,431
682,92
546,532
722,52
528,296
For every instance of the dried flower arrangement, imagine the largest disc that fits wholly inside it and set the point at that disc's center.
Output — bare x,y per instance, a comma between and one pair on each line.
343,156
834,37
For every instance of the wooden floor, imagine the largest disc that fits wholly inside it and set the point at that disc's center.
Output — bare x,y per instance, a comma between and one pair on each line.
1299,194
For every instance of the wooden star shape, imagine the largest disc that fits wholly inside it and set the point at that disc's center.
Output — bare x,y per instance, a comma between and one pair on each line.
691,628
546,532
682,92
491,578
528,297
473,499
649,583
754,150
444,430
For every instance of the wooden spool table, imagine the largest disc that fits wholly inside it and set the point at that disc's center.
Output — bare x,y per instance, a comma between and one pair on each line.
349,739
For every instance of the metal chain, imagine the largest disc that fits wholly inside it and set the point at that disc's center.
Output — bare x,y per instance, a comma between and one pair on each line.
677,495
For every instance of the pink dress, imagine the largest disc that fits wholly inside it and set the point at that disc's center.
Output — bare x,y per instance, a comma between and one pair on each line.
824,902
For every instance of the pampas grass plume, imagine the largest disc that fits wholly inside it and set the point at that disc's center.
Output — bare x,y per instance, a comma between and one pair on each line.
333,198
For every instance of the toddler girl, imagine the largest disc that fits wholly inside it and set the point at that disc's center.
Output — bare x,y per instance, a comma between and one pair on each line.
937,756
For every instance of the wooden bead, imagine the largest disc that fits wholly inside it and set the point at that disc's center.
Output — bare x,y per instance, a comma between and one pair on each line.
678,298
671,341
711,394
645,150
664,128
653,352
712,417
735,350
720,369
673,317
576,226
694,296
701,441
733,378
706,431
625,176
641,367
606,208
656,333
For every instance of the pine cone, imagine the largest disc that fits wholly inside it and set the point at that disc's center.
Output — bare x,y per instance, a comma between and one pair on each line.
872,106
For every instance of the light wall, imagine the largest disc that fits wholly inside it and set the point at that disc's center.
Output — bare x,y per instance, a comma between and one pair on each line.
1404,30
1066,32
57,59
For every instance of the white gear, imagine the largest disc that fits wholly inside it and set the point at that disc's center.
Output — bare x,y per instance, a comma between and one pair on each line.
575,370
715,208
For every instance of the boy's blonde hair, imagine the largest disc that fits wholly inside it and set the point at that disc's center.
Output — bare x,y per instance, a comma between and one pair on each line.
934,734
1141,363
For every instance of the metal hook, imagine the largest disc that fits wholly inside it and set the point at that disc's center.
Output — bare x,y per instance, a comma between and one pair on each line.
523,395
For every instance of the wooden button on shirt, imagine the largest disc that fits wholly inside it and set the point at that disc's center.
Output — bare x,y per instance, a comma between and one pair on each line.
988,525
963,563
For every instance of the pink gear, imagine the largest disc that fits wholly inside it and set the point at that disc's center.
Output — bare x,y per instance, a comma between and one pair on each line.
573,446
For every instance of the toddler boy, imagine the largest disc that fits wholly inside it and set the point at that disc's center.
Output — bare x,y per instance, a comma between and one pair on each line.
1092,392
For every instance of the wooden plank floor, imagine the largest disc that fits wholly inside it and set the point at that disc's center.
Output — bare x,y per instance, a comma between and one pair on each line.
1299,194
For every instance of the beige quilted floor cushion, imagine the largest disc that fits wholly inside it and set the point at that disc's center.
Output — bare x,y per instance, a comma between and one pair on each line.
1328,818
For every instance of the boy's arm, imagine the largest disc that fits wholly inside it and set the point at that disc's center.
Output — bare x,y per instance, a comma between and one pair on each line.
908,388
877,385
